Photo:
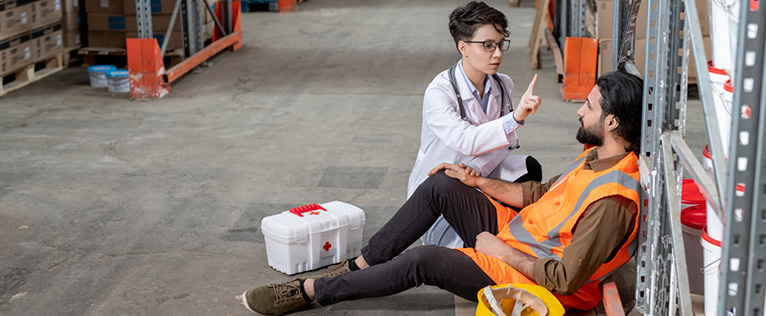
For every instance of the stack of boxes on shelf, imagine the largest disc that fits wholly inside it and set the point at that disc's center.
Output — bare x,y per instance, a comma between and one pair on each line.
110,22
71,24
30,31
598,23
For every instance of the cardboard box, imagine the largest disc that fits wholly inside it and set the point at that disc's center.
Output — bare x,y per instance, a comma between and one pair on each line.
105,6
71,22
106,39
106,22
45,12
70,6
21,52
5,63
15,18
160,23
158,6
604,16
176,41
72,38
48,40
605,56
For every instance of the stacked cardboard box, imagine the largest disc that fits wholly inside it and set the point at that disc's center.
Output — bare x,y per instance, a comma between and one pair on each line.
71,23
30,30
599,25
109,26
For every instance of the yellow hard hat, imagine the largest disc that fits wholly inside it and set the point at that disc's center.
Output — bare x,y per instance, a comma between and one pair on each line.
517,300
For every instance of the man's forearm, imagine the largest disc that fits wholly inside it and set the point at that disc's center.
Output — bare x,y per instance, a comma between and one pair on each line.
508,192
520,261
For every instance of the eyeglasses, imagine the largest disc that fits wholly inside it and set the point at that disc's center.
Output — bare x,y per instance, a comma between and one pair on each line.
490,45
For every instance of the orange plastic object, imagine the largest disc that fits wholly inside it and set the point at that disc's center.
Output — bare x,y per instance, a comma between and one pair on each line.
235,17
288,5
580,62
611,299
146,69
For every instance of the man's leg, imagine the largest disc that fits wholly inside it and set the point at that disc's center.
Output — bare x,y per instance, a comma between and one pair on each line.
446,268
467,210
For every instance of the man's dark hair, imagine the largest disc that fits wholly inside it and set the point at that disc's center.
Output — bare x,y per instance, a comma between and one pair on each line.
464,20
621,96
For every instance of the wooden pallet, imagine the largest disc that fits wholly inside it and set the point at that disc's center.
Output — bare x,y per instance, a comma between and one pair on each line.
31,73
68,52
119,56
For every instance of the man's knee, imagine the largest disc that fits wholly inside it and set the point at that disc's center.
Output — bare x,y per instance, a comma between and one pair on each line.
424,257
440,182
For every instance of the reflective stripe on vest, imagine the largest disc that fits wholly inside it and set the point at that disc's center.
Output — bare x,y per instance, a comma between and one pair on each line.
543,249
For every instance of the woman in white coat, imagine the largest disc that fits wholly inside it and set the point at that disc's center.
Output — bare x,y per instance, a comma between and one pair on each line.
467,111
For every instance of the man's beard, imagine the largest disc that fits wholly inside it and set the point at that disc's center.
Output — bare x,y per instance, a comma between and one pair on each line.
593,136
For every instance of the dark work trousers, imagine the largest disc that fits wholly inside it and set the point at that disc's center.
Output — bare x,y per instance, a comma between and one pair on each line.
467,210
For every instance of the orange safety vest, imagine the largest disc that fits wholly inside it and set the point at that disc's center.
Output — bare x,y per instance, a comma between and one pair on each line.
544,229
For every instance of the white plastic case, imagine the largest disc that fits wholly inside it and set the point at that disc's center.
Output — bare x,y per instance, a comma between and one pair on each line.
312,236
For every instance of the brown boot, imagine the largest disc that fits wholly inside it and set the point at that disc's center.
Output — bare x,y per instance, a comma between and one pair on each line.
275,299
333,271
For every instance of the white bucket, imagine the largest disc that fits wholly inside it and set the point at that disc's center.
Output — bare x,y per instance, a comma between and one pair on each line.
732,10
98,75
719,33
718,79
692,222
118,81
711,259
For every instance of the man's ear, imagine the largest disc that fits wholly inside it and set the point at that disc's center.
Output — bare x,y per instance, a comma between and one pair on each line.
461,46
612,122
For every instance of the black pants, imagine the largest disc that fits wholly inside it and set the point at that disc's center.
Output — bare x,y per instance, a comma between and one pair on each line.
468,211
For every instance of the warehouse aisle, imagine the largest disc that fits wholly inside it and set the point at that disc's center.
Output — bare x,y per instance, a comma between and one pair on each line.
113,207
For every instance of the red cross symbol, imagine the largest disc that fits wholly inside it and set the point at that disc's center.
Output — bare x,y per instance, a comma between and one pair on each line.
313,213
327,246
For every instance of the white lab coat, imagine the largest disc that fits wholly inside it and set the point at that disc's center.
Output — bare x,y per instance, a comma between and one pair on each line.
445,137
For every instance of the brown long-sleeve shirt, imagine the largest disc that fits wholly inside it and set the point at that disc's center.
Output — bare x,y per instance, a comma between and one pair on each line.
601,230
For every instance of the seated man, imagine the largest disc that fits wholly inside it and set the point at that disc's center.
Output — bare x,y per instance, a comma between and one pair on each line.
571,233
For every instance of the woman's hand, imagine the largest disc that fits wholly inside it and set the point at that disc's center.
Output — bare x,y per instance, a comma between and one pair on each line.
528,104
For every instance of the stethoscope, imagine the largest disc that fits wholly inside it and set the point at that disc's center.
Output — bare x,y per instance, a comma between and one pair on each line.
503,95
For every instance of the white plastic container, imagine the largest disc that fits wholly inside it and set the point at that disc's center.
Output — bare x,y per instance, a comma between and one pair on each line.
692,222
718,79
711,259
312,236
118,81
713,222
719,33
98,75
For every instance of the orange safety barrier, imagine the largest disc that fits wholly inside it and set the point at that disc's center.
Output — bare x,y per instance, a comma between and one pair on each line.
146,69
148,77
580,65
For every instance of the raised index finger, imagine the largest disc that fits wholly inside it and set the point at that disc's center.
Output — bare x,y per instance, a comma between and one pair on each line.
531,85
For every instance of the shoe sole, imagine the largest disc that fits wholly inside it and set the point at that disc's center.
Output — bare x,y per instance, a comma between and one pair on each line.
244,301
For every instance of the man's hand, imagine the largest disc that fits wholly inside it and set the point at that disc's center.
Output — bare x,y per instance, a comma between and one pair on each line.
491,245
528,104
461,172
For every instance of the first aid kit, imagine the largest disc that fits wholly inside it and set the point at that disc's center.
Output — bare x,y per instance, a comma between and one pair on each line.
313,236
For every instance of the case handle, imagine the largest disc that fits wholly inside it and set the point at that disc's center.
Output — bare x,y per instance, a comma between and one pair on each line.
306,208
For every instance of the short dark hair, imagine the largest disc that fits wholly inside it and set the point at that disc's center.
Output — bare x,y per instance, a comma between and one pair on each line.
622,96
464,20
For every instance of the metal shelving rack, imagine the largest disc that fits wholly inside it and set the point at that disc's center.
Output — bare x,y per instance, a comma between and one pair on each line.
662,286
743,262
149,79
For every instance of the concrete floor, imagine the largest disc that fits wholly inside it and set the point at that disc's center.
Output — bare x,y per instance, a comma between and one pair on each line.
117,207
